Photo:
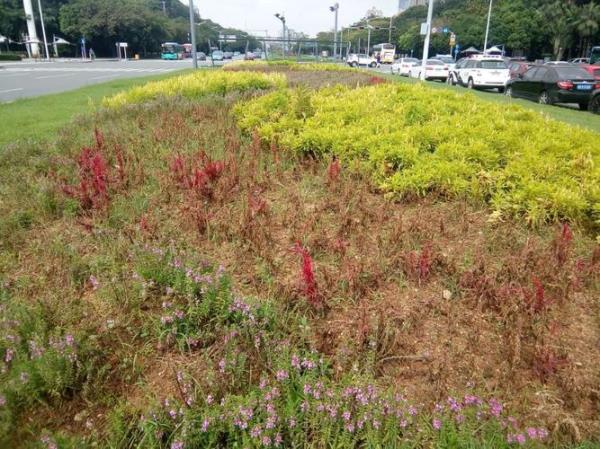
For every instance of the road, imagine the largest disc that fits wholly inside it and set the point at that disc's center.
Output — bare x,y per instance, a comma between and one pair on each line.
30,79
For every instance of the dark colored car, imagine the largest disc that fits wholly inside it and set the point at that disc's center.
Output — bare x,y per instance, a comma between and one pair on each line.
518,68
549,84
227,55
595,101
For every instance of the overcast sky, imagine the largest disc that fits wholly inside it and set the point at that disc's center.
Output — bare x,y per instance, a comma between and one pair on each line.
308,16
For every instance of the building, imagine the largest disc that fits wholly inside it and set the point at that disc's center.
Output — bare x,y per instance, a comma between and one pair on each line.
403,5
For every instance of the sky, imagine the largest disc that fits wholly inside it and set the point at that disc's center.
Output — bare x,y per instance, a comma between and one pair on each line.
308,16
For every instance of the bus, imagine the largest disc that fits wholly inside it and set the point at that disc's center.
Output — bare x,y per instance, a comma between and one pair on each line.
172,50
595,55
387,52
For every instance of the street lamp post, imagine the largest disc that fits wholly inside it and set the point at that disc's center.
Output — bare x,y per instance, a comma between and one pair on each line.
427,39
487,28
368,38
43,30
282,18
193,33
335,9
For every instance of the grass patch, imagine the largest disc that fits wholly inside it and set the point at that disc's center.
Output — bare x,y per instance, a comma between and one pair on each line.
40,118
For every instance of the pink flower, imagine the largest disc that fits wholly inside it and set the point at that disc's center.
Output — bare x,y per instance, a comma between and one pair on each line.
176,445
532,433
9,355
495,407
205,425
437,424
94,282
281,375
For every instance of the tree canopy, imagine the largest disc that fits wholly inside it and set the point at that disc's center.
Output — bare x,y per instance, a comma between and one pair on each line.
143,24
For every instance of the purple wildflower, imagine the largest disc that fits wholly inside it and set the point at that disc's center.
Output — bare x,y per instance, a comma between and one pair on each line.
177,445
281,375
437,424
205,425
94,282
495,407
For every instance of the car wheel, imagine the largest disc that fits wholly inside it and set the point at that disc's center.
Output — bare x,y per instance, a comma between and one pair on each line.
508,92
354,64
372,65
544,98
501,90
583,106
470,84
595,104
450,80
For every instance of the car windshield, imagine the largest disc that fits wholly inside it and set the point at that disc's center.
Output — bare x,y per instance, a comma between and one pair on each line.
434,62
572,73
446,59
496,65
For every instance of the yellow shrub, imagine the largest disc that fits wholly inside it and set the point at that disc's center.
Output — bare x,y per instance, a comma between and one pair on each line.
418,141
196,85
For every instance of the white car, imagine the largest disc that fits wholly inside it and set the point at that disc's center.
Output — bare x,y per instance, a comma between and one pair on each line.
402,66
355,60
448,60
483,72
434,70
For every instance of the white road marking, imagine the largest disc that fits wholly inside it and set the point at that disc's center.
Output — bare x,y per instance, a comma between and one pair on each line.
102,77
10,90
53,76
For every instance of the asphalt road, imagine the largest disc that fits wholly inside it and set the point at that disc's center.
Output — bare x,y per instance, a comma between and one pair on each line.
30,79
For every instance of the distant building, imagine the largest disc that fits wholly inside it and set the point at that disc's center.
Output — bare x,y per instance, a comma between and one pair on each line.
403,5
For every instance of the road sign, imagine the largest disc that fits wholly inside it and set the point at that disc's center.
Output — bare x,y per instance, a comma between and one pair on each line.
446,30
452,39
423,28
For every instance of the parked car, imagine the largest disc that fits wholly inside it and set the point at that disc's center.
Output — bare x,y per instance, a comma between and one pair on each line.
484,72
201,56
554,84
594,70
402,66
448,60
355,60
227,55
453,73
434,70
595,102
517,68
580,61
217,55
249,56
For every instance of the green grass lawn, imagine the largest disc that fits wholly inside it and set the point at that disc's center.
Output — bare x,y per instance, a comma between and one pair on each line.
566,114
39,118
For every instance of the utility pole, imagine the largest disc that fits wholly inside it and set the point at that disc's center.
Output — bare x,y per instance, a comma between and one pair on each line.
390,33
335,9
33,45
368,38
487,28
427,40
282,18
193,33
43,30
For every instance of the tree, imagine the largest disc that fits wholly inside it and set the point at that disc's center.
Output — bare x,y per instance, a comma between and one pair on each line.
373,13
105,22
587,24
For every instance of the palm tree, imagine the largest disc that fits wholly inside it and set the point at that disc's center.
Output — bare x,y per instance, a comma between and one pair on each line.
587,24
560,17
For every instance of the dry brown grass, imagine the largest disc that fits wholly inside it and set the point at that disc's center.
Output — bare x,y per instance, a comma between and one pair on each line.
427,294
